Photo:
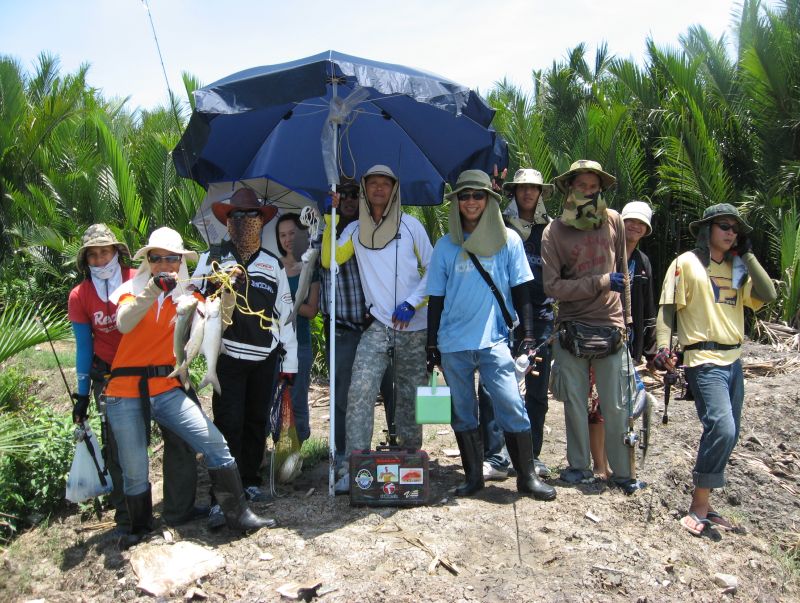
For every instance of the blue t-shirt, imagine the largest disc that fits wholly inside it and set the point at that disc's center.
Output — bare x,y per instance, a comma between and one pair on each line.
472,319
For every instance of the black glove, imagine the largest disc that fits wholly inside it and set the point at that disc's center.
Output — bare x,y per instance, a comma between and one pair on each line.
525,347
288,377
434,358
743,245
165,281
80,410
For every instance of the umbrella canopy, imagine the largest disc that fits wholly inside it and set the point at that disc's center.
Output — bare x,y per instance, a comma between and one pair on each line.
283,120
273,193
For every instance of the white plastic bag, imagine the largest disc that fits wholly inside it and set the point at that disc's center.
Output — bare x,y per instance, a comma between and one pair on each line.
84,481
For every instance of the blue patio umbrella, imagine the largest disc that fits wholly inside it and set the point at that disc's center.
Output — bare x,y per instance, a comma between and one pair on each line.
309,121
306,121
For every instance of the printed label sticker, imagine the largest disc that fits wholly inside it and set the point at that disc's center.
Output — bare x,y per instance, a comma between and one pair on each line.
387,473
363,479
411,475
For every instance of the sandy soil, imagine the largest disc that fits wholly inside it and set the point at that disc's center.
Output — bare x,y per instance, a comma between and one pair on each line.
503,546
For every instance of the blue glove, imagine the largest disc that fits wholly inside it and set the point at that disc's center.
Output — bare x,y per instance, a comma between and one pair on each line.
617,282
327,204
403,313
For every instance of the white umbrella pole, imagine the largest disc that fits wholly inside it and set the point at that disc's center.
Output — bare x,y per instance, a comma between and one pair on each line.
334,269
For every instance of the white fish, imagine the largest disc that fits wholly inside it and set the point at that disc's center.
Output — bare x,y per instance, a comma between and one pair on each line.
192,347
304,282
212,341
186,305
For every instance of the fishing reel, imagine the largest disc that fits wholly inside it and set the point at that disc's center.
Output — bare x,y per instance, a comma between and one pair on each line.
631,439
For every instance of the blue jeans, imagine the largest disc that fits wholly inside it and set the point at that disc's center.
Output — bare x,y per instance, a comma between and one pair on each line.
177,412
718,398
494,444
496,369
300,391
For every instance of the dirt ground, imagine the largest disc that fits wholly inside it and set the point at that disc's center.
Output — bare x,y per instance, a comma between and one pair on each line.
591,544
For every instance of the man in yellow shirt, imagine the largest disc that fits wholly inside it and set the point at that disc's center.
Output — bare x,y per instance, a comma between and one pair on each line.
708,289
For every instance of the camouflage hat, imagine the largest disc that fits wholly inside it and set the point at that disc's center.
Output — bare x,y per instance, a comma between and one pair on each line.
581,166
719,210
99,235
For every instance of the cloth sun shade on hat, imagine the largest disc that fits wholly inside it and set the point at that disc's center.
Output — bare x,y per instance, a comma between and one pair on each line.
243,199
370,234
490,234
717,211
581,166
639,210
529,176
99,235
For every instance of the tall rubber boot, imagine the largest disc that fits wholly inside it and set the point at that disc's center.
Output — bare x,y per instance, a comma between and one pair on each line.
520,449
140,509
471,448
227,485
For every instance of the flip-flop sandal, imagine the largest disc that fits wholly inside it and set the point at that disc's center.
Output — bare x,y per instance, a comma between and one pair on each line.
723,524
706,523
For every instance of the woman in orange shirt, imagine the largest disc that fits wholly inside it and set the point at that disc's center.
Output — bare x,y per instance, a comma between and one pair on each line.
145,316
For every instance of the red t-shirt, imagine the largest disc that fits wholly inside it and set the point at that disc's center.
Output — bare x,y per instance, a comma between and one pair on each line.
148,344
85,306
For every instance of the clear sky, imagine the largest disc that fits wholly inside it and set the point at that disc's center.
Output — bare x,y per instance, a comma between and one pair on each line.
474,43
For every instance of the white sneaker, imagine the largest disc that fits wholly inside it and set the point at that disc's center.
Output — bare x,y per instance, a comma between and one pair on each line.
342,485
491,473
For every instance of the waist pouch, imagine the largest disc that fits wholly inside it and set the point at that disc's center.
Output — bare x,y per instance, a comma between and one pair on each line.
588,341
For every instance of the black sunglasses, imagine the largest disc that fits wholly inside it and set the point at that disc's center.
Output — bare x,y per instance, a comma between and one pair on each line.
726,226
244,213
467,195
348,194
170,259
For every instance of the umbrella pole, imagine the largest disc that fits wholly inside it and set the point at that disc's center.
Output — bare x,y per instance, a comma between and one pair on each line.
334,268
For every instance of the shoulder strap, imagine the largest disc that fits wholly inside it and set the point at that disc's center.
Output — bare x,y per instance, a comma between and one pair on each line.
495,292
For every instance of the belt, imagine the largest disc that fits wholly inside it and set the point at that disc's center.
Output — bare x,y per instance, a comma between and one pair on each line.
712,345
145,373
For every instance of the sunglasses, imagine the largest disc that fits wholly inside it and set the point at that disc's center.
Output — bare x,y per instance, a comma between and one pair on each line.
477,195
244,213
351,194
726,226
170,259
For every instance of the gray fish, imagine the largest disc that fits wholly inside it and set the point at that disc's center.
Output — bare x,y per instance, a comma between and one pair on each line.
186,305
212,341
304,282
192,347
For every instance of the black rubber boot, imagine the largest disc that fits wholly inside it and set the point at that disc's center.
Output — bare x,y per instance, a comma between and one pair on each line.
180,481
471,448
230,496
140,509
520,449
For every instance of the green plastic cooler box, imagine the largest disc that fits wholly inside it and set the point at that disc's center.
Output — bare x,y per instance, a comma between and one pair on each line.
433,403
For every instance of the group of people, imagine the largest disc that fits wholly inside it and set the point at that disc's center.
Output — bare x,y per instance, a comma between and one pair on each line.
484,295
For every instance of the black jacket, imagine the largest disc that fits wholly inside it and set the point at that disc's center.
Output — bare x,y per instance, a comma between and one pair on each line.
643,308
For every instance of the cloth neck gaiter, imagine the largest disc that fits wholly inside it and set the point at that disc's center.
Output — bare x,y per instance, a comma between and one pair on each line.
245,235
584,212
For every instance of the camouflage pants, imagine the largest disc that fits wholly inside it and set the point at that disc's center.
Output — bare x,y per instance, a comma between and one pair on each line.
372,358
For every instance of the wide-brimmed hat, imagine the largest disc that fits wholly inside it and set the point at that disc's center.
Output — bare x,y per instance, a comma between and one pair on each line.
638,210
99,235
581,166
243,199
717,211
165,238
379,170
473,179
529,176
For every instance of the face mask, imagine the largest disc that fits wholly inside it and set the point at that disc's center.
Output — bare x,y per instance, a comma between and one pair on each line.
584,212
245,234
107,271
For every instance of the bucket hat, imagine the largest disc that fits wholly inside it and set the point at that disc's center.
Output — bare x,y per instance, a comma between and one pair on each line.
639,210
581,166
473,179
379,170
99,235
165,238
716,211
243,199
529,176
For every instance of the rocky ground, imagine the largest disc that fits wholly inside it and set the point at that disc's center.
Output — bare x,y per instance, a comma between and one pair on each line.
591,544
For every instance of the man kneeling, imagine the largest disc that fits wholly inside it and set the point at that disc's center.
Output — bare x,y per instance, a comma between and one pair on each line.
468,327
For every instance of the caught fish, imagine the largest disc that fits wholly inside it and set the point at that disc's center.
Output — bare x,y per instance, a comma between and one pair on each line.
186,305
192,347
212,341
304,282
